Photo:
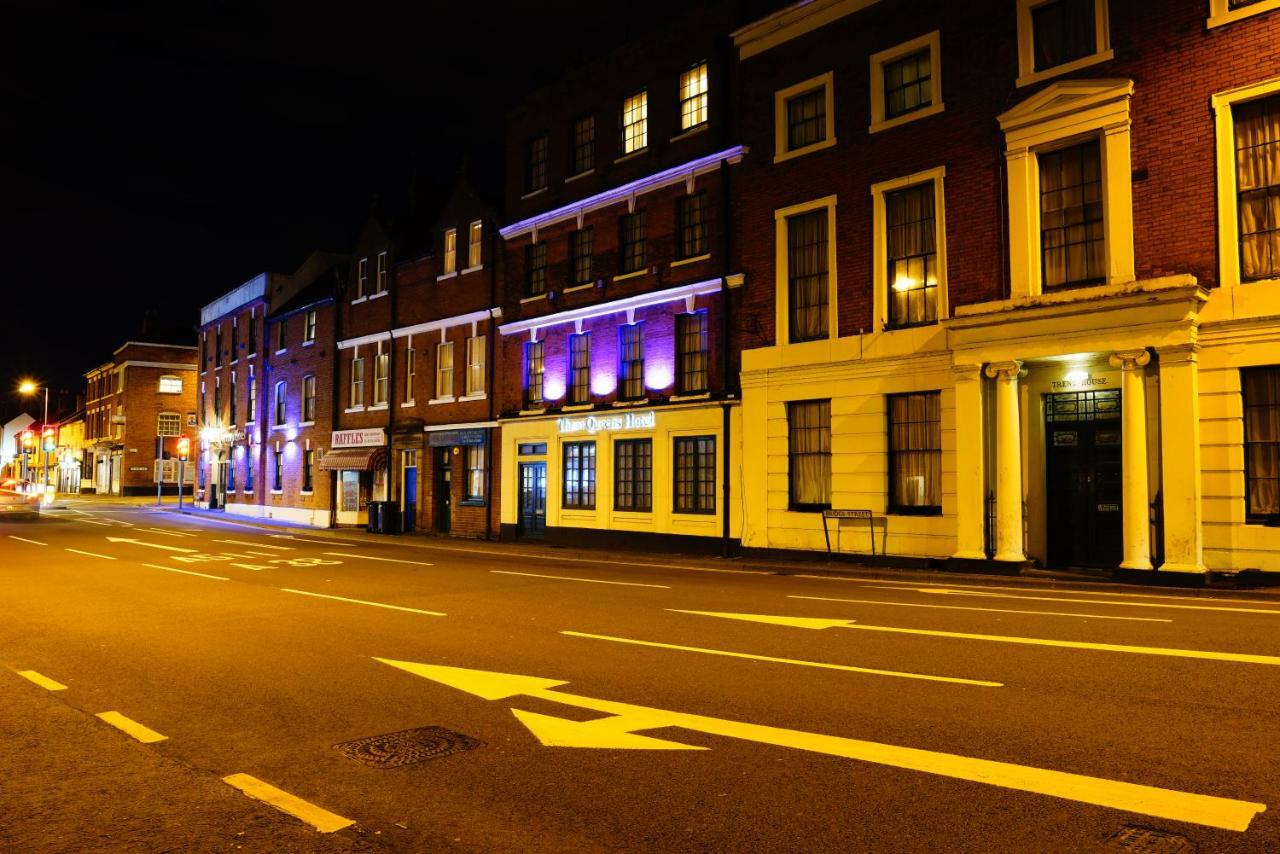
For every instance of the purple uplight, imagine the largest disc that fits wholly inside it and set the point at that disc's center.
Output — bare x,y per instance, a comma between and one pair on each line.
659,373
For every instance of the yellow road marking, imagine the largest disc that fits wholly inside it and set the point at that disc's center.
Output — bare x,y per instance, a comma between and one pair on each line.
1060,592
258,545
187,571
25,540
820,664
384,559
571,578
317,542
992,610
365,602
319,818
42,680
821,623
146,735
626,719
944,591
91,554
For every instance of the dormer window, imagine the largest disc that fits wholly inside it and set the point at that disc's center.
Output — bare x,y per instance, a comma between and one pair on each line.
450,251
362,278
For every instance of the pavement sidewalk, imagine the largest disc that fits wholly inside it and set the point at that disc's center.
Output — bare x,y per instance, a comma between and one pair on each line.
57,759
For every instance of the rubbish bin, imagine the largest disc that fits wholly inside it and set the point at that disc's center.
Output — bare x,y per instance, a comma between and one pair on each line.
384,517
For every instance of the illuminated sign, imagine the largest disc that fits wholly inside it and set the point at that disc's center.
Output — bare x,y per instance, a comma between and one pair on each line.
1080,380
598,423
374,437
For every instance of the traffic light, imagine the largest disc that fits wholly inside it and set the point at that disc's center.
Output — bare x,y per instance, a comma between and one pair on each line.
184,447
49,440
28,441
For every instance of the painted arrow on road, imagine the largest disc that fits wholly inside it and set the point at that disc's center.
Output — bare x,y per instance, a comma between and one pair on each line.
619,731
148,545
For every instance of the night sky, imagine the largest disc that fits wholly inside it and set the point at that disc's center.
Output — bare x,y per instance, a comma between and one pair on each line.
156,157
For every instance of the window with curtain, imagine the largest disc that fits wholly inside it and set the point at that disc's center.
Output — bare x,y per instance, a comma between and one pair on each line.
450,251
475,242
475,364
533,373
362,277
695,474
691,352
807,118
381,378
809,453
807,275
908,84
915,453
911,231
357,381
633,475
580,255
535,269
1257,129
635,122
693,97
580,475
281,404
1260,392
474,486
580,368
410,373
584,145
691,225
536,164
309,399
631,248
631,361
444,370
1072,242
1063,31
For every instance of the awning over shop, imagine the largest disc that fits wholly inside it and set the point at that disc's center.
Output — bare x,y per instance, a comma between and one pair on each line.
354,459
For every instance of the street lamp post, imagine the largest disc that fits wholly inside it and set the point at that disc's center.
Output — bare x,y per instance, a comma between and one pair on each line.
29,388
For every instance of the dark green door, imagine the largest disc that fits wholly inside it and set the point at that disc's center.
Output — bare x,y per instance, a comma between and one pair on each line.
1084,476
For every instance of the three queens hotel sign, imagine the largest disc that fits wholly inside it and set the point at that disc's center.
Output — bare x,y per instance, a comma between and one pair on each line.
599,423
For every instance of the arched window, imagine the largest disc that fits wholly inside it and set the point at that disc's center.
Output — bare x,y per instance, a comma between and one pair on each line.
280,402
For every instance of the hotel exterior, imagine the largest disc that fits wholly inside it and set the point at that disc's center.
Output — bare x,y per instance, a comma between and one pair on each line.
1020,303
619,411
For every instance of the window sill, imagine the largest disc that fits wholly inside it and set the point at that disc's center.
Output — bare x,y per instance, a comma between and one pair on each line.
579,407
693,131
632,155
279,426
310,343
233,362
377,407
632,401
436,401
471,502
896,121
354,409
1230,17
692,260
632,275
542,411
277,492
808,508
477,268
829,142
306,423
306,492
408,403
378,295
705,395
1065,68
443,276
900,327
282,351
583,174
534,298
703,513
914,511
576,288
534,193
475,395
359,300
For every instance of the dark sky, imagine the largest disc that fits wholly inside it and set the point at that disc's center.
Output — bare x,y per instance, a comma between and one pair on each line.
153,157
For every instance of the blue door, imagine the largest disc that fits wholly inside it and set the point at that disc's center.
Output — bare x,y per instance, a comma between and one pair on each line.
410,498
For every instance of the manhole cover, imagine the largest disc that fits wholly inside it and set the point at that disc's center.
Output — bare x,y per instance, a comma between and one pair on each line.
1147,840
407,747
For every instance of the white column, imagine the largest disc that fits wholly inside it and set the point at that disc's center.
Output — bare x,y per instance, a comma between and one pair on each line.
1133,437
970,502
1009,545
1180,458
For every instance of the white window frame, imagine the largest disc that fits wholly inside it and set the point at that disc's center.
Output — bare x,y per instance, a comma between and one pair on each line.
932,41
1250,298
280,405
824,81
356,390
880,246
362,278
171,378
475,238
380,283
475,381
782,281
444,375
308,393
1063,114
450,251
381,379
1220,13
1027,73
309,328
177,421
642,123
410,373
251,416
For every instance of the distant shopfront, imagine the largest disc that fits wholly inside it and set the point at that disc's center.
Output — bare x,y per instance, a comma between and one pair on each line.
359,460
613,477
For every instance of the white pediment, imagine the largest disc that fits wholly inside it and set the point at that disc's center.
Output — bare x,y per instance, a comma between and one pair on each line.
1067,97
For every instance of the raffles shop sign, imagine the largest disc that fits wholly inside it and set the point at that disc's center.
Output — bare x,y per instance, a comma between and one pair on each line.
593,424
371,437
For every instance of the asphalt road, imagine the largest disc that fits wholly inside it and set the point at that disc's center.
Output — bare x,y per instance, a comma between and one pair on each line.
735,710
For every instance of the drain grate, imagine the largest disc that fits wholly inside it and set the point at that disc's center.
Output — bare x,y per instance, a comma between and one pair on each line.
407,747
1148,840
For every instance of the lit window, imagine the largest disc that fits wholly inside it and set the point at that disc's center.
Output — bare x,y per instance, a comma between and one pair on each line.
444,370
579,475
169,424
691,225
631,247
1072,233
357,381
635,122
536,164
631,361
915,453
280,404
380,284
809,454
170,385
474,235
309,327
309,399
693,97
410,373
475,364
695,481
633,475
533,373
1257,146
474,490
807,275
535,273
362,278
450,250
691,352
580,255
584,145
381,378
911,251
308,470
580,368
